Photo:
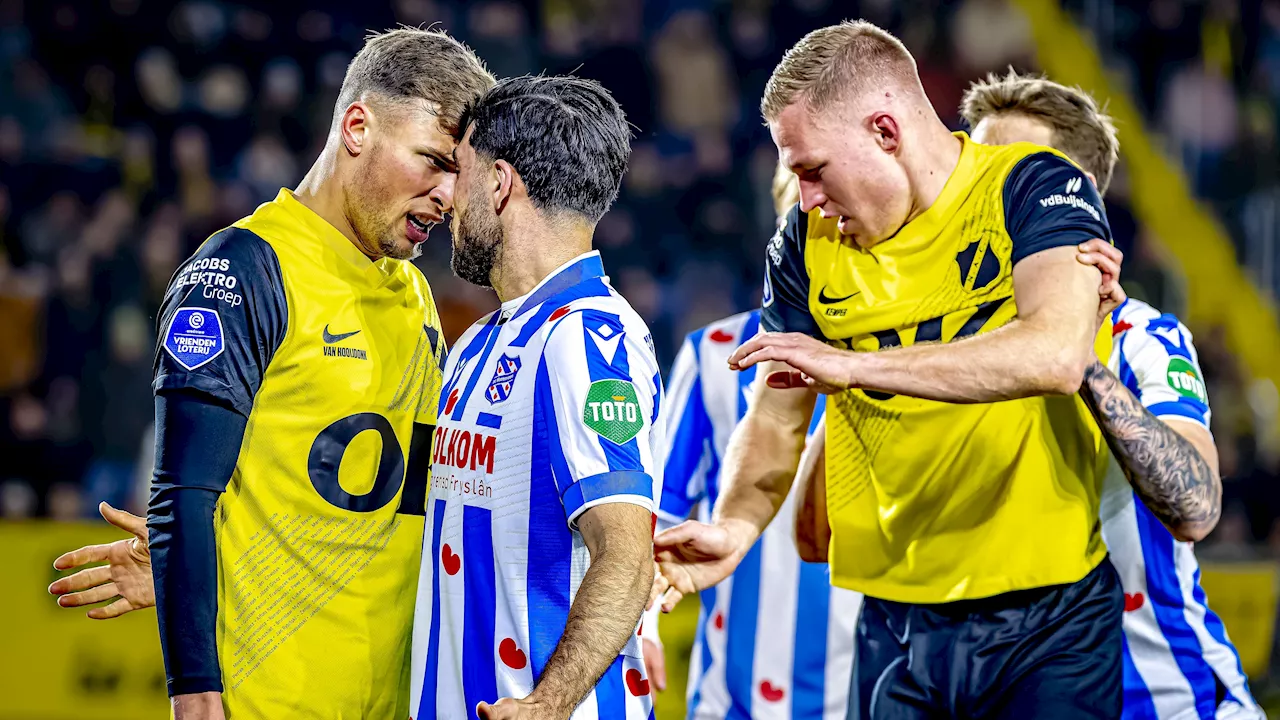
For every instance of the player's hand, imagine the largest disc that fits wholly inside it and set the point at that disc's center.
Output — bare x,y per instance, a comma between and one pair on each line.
127,573
198,706
655,663
814,363
693,556
1109,260
512,709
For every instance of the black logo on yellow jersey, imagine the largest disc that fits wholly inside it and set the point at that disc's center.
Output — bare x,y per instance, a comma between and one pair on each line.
985,273
330,338
826,299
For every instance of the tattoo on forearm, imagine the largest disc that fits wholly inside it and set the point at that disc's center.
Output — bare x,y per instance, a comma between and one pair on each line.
1167,472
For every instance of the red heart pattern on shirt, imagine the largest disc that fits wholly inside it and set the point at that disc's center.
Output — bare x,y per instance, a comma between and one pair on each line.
453,400
452,563
636,683
512,656
721,336
718,621
1133,601
771,693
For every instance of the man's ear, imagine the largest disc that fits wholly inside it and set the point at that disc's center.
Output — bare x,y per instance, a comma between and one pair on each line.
502,184
888,132
354,128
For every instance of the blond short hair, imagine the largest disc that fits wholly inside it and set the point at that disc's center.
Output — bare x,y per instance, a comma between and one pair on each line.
1080,129
832,61
407,65
786,190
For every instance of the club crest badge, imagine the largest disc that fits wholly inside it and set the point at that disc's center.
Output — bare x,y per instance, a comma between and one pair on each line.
504,377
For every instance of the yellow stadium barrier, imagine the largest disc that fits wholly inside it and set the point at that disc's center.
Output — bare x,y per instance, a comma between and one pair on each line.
1244,595
55,663
1218,293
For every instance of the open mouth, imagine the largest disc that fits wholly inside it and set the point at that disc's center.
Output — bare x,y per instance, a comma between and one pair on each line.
419,224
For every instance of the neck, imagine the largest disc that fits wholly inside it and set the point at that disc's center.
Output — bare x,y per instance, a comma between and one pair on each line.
321,192
935,161
533,246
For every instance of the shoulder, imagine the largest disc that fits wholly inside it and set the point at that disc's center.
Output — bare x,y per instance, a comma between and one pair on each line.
232,250
717,341
600,324
1138,325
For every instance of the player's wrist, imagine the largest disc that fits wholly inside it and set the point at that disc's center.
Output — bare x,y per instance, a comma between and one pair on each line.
742,534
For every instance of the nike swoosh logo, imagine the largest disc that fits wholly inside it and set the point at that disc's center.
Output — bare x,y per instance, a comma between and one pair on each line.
330,338
826,299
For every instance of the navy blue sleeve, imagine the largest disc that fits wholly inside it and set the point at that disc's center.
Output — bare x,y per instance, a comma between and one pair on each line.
223,317
197,445
785,303
1049,203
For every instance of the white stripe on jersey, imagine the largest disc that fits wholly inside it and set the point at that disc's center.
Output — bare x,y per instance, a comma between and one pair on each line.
748,659
1174,645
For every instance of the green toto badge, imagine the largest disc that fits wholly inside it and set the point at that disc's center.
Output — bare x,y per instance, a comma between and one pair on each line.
612,410
1183,378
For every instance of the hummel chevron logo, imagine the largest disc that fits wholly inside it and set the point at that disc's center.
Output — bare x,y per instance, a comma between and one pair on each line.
330,338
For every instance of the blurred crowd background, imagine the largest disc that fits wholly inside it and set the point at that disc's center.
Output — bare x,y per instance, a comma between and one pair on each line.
130,130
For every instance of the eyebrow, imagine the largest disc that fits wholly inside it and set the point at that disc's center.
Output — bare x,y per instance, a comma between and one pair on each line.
449,161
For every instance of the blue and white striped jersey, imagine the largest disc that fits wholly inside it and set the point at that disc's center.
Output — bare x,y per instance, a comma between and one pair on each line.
1178,661
774,640
548,409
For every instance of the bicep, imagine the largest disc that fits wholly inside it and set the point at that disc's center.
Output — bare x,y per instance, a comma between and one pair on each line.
1052,287
617,529
1199,437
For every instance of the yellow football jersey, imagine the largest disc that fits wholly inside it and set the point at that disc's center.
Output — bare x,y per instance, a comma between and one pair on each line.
933,502
335,360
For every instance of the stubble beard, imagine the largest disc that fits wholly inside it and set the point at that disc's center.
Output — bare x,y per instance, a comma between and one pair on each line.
477,246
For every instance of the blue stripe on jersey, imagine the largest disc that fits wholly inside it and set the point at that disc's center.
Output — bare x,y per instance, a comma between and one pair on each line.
1217,630
618,482
819,410
1138,704
657,396
609,692
1183,407
489,420
427,706
585,269
1126,376
692,442
479,366
1165,593
808,673
1169,323
468,353
707,599
549,540
479,676
1115,314
740,627
627,455
590,288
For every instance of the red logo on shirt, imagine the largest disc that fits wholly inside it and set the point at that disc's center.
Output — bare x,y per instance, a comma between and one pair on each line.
718,621
636,683
1133,601
1120,327
721,336
463,449
452,563
771,693
511,655
453,400
558,314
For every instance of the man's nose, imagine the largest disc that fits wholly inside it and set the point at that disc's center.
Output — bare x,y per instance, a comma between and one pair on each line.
442,194
811,196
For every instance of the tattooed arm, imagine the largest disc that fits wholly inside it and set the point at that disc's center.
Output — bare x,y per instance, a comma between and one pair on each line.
1171,463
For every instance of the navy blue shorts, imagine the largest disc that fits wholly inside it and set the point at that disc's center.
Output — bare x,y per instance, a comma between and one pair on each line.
1052,652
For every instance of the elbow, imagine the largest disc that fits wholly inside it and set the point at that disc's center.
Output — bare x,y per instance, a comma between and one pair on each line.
1194,531
1064,374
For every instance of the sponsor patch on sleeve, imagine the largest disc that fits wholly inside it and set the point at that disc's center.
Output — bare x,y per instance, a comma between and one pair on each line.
1183,378
194,336
612,411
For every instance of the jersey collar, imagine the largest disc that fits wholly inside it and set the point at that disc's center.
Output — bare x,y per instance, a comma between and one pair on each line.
578,270
377,271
